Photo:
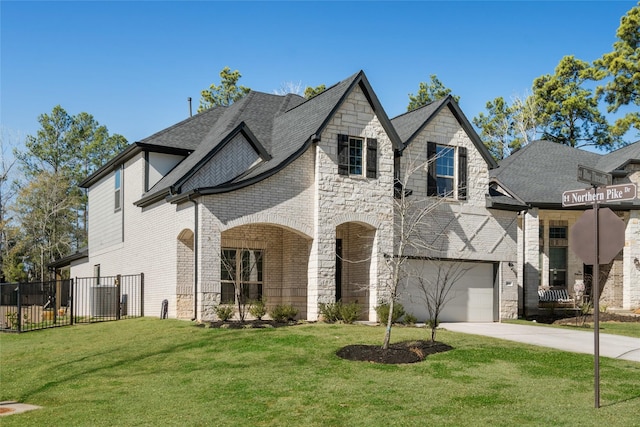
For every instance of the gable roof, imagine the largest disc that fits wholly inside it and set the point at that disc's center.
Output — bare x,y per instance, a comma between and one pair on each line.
541,171
410,124
280,129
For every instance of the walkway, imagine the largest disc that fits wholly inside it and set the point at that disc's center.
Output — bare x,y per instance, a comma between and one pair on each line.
613,346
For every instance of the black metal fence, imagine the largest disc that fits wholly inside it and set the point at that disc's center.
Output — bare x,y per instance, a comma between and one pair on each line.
32,306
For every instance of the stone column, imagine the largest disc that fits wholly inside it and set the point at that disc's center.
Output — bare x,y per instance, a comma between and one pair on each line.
531,260
631,269
208,295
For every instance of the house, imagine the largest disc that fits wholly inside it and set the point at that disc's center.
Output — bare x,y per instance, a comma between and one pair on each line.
294,199
538,174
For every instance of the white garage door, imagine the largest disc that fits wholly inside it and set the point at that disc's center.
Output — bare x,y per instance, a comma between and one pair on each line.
471,298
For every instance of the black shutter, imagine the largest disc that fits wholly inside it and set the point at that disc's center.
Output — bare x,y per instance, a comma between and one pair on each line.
462,173
372,157
432,183
343,154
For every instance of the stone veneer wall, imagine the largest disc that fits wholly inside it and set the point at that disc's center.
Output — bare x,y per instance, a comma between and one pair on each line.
340,199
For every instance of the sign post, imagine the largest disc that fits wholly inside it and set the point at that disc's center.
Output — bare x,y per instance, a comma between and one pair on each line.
603,192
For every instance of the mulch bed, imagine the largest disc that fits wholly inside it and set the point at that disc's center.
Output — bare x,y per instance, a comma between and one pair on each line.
397,353
250,324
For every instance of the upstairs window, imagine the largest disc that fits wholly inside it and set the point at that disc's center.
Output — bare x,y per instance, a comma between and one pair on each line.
117,190
357,156
447,171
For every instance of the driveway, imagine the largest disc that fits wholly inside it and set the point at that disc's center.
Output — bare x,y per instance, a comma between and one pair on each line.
613,346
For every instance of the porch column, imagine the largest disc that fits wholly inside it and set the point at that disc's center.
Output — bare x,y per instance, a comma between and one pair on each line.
208,292
531,259
322,270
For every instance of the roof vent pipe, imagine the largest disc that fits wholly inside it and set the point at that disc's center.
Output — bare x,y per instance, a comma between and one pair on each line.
190,112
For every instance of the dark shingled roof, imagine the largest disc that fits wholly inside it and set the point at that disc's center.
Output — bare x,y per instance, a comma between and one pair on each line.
280,128
410,124
541,171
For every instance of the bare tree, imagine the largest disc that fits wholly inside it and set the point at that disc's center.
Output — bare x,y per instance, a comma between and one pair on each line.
436,286
411,228
290,87
7,191
242,272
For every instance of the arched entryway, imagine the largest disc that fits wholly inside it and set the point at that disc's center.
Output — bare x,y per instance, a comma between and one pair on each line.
269,262
354,260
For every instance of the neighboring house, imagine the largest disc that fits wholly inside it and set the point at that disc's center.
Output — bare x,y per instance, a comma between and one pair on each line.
294,199
538,174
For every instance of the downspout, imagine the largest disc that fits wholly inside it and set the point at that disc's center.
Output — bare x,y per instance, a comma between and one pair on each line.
195,258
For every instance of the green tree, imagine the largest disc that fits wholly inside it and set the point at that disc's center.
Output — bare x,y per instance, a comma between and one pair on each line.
310,92
224,94
507,127
429,92
622,67
45,210
568,110
63,152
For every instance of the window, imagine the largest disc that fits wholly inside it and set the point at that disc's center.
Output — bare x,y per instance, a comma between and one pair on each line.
357,158
447,171
117,190
445,168
557,253
241,268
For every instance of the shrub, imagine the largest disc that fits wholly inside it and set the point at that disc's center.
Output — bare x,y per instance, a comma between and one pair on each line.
330,311
349,313
409,319
283,313
258,309
224,312
383,312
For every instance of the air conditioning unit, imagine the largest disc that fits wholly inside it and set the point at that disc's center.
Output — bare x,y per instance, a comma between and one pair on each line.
104,301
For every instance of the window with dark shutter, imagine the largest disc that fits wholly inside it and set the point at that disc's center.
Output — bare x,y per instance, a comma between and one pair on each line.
432,182
462,173
372,157
343,154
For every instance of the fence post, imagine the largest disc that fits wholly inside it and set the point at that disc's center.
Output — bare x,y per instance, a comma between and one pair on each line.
118,289
141,294
19,308
71,297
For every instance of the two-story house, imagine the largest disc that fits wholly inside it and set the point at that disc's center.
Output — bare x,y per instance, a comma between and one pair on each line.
294,199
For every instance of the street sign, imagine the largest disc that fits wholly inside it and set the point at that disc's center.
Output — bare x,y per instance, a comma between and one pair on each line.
608,194
610,240
593,176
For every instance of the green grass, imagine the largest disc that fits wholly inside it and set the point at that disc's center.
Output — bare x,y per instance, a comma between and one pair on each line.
628,329
149,372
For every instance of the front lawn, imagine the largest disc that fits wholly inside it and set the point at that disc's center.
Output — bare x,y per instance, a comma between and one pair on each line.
627,329
168,372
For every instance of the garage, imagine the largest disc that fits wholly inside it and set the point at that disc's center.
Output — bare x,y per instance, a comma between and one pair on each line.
471,298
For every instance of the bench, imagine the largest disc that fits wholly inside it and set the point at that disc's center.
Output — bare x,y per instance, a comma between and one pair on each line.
555,298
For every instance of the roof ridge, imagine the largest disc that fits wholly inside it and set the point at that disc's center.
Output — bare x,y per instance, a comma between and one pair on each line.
182,123
422,107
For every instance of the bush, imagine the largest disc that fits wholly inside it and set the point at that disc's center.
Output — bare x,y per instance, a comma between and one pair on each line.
330,311
258,309
383,312
409,319
224,312
283,313
349,313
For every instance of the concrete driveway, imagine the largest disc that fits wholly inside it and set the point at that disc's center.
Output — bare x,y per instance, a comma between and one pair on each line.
613,346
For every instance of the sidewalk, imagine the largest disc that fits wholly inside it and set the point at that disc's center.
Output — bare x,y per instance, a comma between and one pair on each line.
613,346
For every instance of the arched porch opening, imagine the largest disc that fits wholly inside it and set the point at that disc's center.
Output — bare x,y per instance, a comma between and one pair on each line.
265,261
354,260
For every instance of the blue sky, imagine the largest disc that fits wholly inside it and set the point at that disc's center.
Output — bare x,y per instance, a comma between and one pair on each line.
132,65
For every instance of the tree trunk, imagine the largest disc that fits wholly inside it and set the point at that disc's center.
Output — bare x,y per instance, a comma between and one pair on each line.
387,334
